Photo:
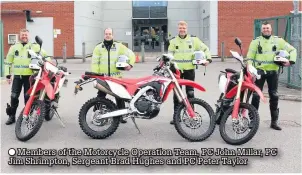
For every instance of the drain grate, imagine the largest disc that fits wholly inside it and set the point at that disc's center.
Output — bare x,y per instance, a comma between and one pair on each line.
285,123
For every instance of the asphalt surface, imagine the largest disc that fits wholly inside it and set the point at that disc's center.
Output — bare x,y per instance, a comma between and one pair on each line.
155,133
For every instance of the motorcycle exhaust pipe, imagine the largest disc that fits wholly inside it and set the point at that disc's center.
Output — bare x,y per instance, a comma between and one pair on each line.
102,88
114,114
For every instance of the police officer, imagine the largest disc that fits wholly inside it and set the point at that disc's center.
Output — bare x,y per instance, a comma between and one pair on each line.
182,47
17,62
261,54
104,58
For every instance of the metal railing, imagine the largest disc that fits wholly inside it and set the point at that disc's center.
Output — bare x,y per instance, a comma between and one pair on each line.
1,50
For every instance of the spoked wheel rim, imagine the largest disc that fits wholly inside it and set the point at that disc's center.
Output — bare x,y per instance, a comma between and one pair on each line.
200,123
92,119
198,128
31,120
87,120
238,128
192,123
241,130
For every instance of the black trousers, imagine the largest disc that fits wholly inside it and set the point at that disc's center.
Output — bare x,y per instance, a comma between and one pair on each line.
120,103
272,82
189,75
18,82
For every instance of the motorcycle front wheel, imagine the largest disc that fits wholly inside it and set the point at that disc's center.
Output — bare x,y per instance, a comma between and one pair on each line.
183,122
33,122
243,125
99,106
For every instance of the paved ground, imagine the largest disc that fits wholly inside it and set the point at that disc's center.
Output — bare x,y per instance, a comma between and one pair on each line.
156,133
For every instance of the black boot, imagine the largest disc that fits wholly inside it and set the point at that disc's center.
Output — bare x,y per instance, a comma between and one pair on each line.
172,121
175,108
11,112
122,120
11,120
275,116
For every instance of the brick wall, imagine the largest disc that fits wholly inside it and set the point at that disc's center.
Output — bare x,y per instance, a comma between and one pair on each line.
236,19
63,18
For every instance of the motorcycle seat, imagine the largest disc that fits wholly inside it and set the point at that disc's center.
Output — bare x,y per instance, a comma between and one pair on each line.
231,71
93,74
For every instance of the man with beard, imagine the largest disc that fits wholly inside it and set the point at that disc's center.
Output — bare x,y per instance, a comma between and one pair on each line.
261,53
19,58
104,58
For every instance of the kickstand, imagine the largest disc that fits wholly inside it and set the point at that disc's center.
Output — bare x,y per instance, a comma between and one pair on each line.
59,117
133,119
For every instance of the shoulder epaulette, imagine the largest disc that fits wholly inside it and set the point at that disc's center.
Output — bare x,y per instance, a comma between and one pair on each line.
193,35
99,43
257,38
116,41
172,38
277,37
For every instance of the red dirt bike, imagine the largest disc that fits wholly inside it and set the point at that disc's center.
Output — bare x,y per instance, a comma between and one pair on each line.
144,97
236,89
43,94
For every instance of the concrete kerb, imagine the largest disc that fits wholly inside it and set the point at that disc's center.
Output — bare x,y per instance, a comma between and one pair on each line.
287,97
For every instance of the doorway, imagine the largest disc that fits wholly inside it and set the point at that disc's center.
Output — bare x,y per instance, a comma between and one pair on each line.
42,27
151,35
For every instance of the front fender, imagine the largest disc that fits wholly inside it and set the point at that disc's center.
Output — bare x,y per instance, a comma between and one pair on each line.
38,88
191,83
245,85
49,89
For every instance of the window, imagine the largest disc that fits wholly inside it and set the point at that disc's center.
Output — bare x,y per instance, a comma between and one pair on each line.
149,9
137,3
206,28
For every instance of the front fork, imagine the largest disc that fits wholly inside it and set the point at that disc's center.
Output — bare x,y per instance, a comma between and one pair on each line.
32,95
181,97
238,99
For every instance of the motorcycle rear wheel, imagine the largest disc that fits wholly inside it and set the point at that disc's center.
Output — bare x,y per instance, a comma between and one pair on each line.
50,111
83,114
36,127
177,120
256,120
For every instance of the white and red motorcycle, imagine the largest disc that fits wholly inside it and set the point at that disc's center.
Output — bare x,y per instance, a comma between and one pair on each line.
144,97
44,90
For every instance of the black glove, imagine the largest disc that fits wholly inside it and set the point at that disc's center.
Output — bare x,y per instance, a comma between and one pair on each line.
279,63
